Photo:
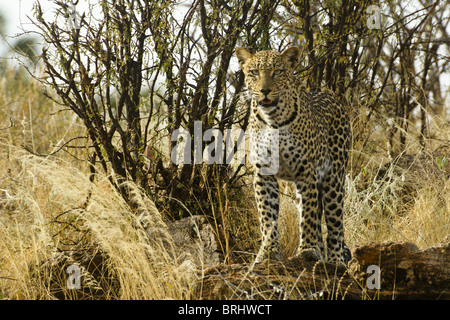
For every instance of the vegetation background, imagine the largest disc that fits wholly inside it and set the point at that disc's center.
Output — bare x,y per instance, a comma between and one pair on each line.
86,121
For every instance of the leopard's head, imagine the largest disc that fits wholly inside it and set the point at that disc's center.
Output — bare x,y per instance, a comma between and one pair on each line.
268,73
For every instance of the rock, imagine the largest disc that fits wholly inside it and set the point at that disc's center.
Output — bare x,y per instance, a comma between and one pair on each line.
295,278
405,273
195,238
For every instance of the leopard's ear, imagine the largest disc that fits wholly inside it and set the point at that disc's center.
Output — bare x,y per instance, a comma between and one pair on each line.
291,55
243,55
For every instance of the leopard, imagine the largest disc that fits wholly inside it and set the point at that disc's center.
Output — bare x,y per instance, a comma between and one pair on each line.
313,139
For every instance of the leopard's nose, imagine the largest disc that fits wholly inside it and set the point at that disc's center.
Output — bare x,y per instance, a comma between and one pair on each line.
265,91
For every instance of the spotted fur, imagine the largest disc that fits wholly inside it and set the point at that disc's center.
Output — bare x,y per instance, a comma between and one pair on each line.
314,140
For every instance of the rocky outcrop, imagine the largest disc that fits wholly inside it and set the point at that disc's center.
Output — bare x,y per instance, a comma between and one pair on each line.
290,279
393,270
405,271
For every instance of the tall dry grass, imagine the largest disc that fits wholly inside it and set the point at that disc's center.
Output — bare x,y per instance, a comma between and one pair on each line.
49,206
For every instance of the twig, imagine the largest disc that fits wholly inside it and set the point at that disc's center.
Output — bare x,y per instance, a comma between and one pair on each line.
27,148
12,125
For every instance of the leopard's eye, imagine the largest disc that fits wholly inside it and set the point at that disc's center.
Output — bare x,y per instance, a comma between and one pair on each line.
254,72
277,72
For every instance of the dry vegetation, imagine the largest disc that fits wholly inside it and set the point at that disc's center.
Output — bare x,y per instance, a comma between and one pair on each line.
49,207
134,72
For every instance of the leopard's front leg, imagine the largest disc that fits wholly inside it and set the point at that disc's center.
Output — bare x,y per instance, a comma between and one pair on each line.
267,194
310,210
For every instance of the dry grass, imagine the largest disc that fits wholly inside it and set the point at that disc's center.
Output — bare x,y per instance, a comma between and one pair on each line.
379,214
49,206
